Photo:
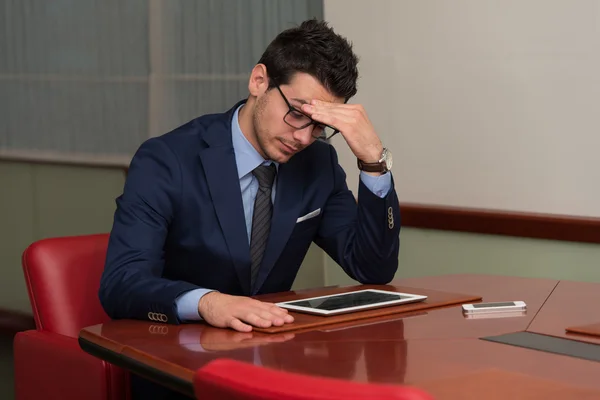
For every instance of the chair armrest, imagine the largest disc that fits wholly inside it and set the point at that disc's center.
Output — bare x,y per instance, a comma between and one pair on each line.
50,366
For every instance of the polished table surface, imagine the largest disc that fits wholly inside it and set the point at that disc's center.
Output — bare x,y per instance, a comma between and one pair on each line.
588,329
438,350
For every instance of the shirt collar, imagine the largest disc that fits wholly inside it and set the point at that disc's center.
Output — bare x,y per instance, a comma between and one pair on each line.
246,156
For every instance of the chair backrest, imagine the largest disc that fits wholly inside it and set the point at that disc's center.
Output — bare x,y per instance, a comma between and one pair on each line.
226,379
63,277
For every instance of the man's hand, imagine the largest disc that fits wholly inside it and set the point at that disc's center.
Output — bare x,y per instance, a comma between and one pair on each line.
353,123
240,313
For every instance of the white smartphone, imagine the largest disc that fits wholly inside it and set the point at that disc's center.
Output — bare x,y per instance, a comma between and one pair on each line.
492,315
503,306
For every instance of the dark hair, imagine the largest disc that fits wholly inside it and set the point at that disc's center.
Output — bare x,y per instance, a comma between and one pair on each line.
313,48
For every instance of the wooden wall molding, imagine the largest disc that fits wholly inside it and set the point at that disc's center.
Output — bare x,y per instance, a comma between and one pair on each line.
497,222
12,322
65,159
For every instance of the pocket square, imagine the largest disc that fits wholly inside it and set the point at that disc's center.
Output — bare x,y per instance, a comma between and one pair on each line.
310,215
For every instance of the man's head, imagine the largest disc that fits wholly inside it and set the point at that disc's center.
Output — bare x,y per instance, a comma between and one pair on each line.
301,64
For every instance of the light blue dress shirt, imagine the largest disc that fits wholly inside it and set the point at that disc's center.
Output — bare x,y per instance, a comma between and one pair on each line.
247,159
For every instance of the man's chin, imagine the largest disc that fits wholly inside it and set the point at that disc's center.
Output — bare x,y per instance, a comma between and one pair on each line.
282,158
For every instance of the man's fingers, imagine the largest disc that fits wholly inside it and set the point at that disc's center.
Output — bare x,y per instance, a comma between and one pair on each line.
266,304
256,320
239,326
258,314
336,120
349,112
336,117
330,104
274,309
281,312
288,319
317,106
273,318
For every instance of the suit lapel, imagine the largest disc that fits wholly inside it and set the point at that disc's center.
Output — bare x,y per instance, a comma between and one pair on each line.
288,201
218,161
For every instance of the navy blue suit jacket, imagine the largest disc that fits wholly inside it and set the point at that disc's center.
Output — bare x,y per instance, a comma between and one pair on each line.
179,223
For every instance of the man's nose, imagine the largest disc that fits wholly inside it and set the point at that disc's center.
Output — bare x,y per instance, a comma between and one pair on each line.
304,136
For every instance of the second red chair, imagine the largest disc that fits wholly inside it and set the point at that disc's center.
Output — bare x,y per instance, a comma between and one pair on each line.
225,379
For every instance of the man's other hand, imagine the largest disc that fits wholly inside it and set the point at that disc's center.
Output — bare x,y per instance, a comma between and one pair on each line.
240,313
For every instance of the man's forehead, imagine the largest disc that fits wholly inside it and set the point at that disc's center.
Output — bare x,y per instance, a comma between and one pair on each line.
303,88
297,100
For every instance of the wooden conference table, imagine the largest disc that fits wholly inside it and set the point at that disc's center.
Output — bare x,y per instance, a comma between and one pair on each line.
439,349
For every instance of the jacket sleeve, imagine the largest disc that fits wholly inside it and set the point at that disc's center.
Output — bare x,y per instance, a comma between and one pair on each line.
364,237
132,285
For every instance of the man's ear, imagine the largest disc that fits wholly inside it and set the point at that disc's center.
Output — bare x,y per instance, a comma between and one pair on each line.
259,80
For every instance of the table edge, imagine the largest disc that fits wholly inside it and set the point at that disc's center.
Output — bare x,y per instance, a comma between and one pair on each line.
134,366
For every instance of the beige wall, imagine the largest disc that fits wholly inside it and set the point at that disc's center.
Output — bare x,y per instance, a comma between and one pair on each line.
40,201
427,252
484,103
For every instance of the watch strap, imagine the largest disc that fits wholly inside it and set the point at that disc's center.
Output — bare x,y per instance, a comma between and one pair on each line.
371,167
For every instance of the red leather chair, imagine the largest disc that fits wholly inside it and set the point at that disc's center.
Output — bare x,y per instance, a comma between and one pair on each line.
63,277
225,379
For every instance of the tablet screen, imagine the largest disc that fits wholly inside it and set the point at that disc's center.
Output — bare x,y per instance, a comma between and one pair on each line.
341,301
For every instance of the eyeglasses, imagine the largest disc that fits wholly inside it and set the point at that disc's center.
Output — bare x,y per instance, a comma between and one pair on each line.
299,120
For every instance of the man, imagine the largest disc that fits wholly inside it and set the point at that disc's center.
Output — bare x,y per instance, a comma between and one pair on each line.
226,206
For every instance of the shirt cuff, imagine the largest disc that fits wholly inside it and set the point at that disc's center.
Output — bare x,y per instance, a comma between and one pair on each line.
378,185
187,304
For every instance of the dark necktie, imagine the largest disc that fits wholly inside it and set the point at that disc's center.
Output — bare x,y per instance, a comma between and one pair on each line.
261,218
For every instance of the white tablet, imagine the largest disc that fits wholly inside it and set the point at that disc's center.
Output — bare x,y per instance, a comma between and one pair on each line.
349,302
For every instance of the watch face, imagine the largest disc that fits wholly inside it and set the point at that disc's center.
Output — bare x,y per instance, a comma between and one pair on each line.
388,159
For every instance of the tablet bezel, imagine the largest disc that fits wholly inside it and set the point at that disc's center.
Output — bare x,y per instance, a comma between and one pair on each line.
315,311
